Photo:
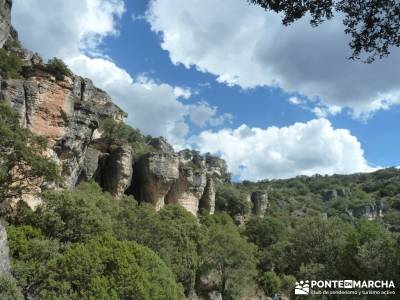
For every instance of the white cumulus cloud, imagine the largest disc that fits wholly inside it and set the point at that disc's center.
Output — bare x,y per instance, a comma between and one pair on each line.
244,45
308,148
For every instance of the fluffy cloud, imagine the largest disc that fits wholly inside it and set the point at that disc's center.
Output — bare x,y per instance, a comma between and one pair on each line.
295,100
308,148
203,114
181,92
64,28
242,44
152,107
74,30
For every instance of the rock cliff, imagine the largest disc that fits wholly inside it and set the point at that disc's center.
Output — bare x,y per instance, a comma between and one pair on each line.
68,110
5,21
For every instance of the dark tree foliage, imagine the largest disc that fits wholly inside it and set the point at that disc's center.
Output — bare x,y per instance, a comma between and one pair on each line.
374,25
10,64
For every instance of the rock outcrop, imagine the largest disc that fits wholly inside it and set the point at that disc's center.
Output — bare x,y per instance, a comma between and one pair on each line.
118,172
332,194
154,175
67,111
185,178
260,202
4,253
5,21
371,211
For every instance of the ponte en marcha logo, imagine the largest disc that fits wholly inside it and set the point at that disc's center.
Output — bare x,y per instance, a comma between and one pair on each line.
345,287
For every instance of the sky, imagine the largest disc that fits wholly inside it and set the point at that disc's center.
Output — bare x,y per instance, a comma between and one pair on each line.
228,78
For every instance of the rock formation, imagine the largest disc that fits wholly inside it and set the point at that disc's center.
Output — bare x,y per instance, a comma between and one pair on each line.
370,211
5,21
185,178
332,194
119,171
67,110
4,253
260,202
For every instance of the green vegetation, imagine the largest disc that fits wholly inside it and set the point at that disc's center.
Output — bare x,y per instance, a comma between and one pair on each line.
58,68
10,64
119,132
231,200
83,244
52,243
105,268
21,159
9,289
228,260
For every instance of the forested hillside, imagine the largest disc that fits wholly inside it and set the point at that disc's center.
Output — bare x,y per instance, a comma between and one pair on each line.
85,244
93,209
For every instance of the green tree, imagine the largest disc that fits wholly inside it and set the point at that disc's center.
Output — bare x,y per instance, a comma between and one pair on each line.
10,64
318,241
30,251
229,199
173,234
9,289
58,68
270,283
228,262
75,216
265,231
105,268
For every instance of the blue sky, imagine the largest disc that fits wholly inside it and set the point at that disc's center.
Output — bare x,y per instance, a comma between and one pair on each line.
239,106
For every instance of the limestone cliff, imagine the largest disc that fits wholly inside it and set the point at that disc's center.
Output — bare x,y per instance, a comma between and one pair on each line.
5,21
68,110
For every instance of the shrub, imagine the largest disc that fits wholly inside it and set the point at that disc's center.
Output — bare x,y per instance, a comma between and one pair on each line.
9,289
105,268
58,68
10,64
231,200
270,283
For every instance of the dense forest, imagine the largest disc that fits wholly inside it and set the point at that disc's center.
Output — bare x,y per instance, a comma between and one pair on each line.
83,244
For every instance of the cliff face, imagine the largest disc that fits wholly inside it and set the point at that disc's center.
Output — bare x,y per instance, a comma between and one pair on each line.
5,20
4,253
67,111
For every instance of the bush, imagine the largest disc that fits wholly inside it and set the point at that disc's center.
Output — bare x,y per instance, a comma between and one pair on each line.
76,216
231,200
270,283
10,64
105,268
9,289
30,251
119,132
228,263
58,68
